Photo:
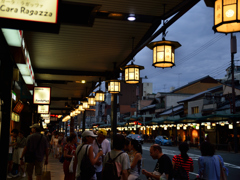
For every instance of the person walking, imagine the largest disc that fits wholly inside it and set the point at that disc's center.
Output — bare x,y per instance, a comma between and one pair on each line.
101,143
20,144
69,150
163,167
36,144
182,161
87,139
209,164
135,156
121,159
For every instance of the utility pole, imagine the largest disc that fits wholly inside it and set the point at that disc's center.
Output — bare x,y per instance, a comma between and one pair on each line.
233,51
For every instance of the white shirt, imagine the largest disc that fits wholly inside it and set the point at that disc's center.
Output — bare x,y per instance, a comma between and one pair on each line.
105,148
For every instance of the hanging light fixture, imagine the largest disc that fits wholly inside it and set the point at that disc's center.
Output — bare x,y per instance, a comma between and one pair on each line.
163,51
99,95
226,16
91,100
85,104
114,86
80,107
132,71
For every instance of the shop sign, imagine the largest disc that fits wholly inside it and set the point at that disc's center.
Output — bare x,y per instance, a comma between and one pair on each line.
15,117
30,10
41,95
43,109
45,115
14,96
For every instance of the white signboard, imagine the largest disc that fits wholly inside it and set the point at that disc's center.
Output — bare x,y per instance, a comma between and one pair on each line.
30,10
41,95
43,109
45,116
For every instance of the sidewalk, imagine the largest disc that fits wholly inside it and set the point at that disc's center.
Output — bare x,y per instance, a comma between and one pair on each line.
54,166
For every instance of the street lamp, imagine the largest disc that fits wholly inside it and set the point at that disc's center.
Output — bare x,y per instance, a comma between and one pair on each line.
114,86
163,53
80,107
226,16
132,73
99,96
91,100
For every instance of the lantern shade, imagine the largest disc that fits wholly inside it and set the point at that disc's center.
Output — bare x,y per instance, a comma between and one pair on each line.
226,16
80,108
99,96
85,105
114,86
163,53
132,73
91,101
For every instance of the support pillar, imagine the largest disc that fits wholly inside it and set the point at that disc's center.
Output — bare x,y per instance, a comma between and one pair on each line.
84,120
233,51
6,74
200,134
72,124
114,114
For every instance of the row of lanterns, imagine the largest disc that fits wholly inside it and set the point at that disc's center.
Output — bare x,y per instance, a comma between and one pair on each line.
226,20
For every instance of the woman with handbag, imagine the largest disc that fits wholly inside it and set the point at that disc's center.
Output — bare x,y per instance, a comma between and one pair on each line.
69,150
211,166
84,153
182,164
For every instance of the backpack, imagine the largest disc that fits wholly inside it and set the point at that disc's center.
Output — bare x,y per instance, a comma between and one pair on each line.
110,170
180,173
87,169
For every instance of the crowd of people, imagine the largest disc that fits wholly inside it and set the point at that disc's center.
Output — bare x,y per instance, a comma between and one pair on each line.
90,156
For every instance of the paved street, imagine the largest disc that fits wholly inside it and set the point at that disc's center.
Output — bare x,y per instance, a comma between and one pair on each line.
231,160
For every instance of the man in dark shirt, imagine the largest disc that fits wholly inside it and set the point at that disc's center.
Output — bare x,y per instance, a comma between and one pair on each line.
36,143
164,164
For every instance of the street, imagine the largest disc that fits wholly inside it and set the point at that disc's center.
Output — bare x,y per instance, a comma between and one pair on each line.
231,160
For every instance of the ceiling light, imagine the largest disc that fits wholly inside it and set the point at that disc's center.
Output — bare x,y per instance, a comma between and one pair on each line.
131,17
83,81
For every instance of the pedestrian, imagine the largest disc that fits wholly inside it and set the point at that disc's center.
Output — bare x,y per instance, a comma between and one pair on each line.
163,167
229,142
79,139
121,159
210,164
87,139
126,145
101,143
135,156
12,144
36,144
182,161
21,143
55,145
69,150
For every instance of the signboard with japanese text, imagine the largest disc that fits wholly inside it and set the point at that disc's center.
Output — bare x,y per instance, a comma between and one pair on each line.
31,15
30,10
41,95
43,109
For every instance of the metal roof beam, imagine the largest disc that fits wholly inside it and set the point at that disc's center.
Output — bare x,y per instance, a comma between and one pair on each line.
142,44
70,72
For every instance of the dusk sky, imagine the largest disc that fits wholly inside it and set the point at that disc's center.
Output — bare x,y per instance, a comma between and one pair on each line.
202,53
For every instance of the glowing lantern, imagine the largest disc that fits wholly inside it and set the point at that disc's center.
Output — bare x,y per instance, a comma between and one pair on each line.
114,86
163,53
132,73
226,16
